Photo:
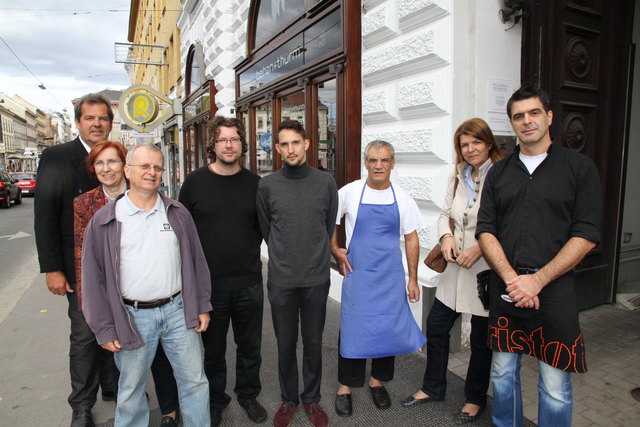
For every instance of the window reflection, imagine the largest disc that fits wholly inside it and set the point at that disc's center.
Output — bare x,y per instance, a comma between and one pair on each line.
327,126
264,145
292,107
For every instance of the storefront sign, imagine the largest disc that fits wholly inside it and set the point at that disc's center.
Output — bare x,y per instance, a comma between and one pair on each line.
305,47
144,108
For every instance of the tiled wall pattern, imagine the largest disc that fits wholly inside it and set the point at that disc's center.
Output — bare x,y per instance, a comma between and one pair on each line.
406,67
220,27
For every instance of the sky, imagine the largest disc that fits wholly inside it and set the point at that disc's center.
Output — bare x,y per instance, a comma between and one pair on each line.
67,44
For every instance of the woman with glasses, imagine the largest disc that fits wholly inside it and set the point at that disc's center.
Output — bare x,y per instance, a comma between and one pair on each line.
106,163
476,152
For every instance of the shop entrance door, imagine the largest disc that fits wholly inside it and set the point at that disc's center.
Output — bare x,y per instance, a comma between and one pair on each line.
579,52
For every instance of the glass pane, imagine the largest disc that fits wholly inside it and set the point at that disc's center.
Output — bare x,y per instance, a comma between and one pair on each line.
292,107
327,126
264,146
245,160
202,143
192,150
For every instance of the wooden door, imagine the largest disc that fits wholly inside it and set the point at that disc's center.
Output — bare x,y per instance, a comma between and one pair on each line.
579,51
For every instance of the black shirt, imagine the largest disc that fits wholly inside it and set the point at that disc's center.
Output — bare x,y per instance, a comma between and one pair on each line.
224,211
534,215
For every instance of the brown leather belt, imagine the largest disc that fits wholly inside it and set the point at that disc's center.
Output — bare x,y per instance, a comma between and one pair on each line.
150,304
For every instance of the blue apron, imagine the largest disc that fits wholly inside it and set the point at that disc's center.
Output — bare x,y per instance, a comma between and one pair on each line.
375,319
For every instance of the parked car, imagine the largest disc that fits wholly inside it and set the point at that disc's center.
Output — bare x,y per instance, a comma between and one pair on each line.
9,190
26,181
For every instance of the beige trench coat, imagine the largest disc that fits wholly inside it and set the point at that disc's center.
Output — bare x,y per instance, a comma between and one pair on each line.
457,287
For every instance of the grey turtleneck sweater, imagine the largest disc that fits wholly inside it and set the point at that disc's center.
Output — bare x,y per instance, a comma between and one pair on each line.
297,213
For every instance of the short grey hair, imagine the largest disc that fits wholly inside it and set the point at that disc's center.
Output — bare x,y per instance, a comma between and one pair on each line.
146,145
378,143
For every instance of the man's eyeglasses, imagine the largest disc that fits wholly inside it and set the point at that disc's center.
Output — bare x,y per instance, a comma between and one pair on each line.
145,167
110,163
234,140
373,161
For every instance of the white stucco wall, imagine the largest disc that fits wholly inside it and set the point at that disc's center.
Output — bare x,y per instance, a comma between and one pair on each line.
220,27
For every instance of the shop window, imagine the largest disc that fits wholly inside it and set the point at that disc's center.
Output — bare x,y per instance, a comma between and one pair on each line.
303,64
264,142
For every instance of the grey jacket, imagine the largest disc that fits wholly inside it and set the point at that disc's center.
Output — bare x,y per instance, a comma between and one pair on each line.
102,301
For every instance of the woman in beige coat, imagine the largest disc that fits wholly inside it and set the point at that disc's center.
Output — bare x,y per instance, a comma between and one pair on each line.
476,152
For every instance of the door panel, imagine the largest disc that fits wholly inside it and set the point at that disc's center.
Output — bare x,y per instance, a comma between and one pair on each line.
578,51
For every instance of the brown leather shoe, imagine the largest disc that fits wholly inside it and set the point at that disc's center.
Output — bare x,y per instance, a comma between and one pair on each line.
316,414
284,415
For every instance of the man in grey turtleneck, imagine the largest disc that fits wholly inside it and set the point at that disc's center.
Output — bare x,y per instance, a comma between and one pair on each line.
297,208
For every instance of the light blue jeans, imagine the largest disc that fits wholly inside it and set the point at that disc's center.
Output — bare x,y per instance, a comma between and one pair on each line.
555,402
183,348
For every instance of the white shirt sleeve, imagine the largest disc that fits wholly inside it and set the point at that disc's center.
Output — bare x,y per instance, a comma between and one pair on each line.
410,216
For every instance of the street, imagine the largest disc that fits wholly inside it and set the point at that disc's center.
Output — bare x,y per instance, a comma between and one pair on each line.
17,241
34,330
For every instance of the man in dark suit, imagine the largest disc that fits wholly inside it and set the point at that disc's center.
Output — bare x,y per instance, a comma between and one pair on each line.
62,176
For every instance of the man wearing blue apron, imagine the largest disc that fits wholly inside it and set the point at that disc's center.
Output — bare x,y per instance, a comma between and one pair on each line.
376,321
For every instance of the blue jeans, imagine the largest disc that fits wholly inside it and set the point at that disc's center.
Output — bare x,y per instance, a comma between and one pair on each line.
183,348
555,403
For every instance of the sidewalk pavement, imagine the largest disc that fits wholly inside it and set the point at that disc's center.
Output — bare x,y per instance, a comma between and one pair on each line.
35,378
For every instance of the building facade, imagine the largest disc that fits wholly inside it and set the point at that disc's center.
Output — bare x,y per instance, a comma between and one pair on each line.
155,42
410,71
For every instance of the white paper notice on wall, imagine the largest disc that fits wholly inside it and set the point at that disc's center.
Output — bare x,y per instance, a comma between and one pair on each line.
498,93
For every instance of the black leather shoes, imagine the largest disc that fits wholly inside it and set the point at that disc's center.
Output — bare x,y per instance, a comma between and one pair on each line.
344,407
412,401
254,410
216,416
81,418
380,397
464,418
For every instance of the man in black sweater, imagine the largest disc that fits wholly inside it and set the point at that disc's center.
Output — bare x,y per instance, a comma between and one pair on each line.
222,200
297,208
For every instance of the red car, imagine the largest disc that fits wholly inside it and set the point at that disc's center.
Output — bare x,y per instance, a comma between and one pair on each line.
26,181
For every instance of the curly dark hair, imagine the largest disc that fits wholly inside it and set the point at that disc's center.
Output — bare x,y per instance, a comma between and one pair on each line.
213,131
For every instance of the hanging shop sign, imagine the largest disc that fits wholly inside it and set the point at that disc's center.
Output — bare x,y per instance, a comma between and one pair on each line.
144,108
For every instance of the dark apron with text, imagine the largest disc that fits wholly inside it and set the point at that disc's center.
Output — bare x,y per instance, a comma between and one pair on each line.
551,334
375,319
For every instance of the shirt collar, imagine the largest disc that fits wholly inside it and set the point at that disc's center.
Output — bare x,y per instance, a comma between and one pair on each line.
131,209
84,144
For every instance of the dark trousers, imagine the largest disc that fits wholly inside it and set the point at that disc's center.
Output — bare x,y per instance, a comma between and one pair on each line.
310,306
439,323
243,309
90,365
351,372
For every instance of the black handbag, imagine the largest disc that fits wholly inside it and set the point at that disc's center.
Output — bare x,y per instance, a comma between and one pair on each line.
483,287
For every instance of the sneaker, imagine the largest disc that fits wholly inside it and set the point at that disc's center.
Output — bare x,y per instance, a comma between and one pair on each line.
254,410
316,414
284,415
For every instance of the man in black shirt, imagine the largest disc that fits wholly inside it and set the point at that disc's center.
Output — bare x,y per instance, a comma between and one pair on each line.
538,219
222,200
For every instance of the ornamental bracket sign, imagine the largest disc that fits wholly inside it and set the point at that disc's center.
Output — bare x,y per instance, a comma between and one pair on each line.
144,108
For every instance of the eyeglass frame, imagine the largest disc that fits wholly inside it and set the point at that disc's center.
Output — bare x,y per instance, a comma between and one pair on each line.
234,140
147,166
99,164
